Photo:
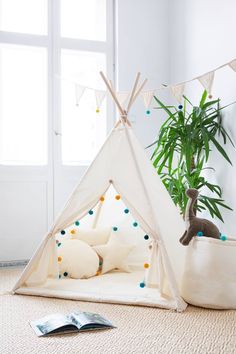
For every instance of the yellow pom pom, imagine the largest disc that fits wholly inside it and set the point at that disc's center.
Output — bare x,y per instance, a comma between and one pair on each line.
102,199
117,197
97,110
59,259
146,265
98,273
72,232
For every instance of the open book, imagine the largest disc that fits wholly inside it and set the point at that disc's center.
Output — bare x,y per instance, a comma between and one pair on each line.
74,322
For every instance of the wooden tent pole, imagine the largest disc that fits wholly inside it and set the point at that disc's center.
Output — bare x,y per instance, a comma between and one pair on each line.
112,92
133,92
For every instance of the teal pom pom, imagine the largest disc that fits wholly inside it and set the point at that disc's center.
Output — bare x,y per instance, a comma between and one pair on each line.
100,263
223,237
63,232
59,276
142,284
90,212
126,211
77,223
115,228
180,106
59,244
146,237
148,112
200,233
135,224
65,274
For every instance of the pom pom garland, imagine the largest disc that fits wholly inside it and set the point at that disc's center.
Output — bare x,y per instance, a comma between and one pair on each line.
102,199
148,111
72,232
126,211
146,237
180,106
142,284
77,223
223,237
90,212
97,110
65,274
59,244
146,265
59,258
200,233
63,232
117,197
135,224
115,228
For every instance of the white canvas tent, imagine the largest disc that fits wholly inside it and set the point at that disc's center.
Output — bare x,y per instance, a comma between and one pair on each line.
121,165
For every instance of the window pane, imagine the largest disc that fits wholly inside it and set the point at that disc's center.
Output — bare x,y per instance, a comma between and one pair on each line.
23,105
83,130
24,16
83,19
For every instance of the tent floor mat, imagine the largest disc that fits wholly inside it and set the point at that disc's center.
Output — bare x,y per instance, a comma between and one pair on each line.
114,287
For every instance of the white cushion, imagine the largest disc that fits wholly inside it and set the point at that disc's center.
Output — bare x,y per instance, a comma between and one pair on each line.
77,259
209,278
114,254
93,237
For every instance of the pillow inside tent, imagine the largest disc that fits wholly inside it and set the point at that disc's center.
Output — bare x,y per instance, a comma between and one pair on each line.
114,254
77,259
93,237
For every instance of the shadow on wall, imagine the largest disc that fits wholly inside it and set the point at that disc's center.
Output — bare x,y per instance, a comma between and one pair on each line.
226,174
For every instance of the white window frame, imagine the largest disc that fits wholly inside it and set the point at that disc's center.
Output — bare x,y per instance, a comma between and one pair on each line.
54,170
54,43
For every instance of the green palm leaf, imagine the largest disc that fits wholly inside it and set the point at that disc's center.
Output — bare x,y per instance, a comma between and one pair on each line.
183,146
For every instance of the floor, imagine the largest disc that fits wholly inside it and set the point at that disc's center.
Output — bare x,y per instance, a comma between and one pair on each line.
140,330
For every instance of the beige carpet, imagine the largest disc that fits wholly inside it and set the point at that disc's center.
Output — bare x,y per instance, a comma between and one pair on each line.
140,330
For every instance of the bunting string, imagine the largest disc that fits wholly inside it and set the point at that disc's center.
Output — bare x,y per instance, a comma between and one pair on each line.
177,89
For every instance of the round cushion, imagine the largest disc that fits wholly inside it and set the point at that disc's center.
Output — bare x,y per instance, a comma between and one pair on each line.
77,259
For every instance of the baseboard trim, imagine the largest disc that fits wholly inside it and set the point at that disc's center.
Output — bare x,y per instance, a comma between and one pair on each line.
19,263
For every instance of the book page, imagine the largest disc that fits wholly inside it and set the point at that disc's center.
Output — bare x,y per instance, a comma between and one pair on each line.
82,319
50,323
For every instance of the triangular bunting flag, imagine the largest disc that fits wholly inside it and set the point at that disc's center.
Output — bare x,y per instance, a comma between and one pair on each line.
147,97
232,64
123,98
99,96
79,91
207,81
178,91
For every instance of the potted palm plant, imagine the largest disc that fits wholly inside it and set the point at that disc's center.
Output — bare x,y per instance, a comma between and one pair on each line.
182,150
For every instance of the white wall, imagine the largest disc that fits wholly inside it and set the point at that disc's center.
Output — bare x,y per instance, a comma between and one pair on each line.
202,37
172,41
142,45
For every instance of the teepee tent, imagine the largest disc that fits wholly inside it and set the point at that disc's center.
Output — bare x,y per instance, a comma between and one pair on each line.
121,178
